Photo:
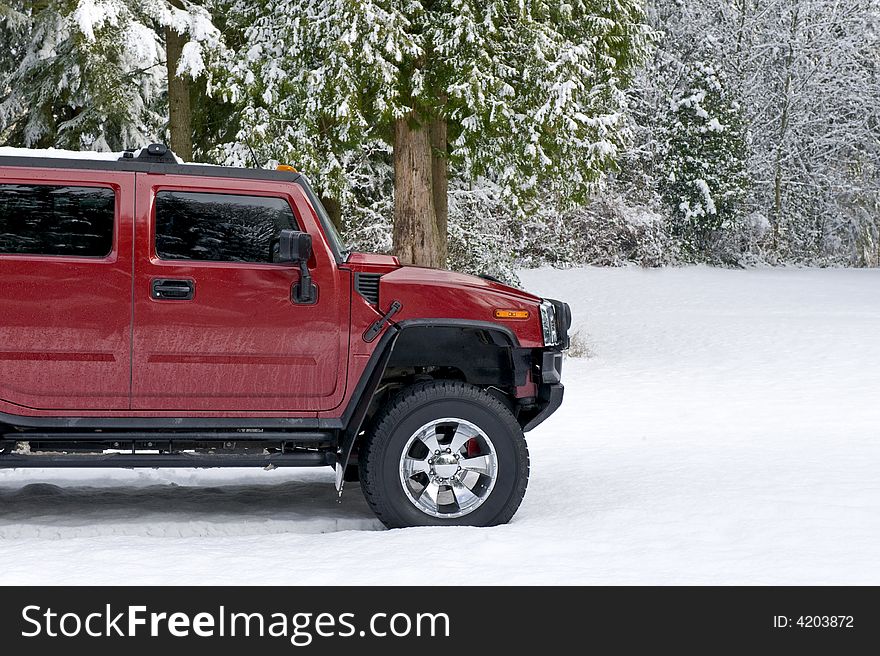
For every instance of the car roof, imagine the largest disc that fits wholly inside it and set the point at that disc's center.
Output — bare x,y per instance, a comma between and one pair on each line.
136,165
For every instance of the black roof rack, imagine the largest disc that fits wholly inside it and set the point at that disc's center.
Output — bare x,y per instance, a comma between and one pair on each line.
155,158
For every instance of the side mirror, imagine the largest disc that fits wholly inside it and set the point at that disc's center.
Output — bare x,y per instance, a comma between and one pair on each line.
294,246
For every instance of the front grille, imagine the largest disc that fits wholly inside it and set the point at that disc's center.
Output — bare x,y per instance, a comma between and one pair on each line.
367,285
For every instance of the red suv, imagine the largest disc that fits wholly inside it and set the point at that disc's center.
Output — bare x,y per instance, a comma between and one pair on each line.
158,314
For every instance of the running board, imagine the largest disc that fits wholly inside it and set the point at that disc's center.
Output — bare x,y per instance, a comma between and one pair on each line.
166,436
154,461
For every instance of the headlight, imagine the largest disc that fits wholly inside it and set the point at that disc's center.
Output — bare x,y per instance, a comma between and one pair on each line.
548,324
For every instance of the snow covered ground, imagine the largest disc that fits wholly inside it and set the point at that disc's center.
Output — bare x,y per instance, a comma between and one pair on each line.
725,429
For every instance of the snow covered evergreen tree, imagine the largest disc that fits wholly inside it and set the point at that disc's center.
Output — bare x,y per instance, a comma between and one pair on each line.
529,95
472,108
90,74
703,157
805,75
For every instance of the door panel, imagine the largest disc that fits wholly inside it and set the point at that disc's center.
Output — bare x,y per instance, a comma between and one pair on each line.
65,318
237,342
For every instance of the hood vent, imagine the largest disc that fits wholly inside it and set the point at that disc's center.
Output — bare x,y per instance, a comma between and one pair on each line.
367,285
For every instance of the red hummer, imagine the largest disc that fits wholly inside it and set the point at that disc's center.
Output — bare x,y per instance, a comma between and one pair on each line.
159,314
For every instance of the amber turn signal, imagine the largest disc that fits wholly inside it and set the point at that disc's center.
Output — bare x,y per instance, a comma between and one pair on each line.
511,314
285,167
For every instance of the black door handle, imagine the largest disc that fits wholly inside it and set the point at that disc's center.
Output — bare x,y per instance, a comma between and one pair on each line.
173,290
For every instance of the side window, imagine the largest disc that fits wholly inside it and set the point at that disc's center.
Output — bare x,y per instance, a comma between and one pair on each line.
220,227
56,220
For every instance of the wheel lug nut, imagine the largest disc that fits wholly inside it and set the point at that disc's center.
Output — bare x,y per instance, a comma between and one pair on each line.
448,450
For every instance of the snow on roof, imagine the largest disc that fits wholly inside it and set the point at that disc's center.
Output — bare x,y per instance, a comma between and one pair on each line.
6,151
58,153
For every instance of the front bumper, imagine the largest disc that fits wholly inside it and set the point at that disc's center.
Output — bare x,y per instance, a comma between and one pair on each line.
551,367
547,373
549,400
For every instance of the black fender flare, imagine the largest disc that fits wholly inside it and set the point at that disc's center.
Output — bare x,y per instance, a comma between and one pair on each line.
356,412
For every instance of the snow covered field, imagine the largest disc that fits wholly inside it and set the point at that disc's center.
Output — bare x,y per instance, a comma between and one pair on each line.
725,429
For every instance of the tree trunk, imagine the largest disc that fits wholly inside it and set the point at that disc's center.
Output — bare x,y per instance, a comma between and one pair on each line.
783,131
179,109
415,220
777,173
334,210
440,180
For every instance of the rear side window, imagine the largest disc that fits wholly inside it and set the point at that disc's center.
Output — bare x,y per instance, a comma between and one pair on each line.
220,227
56,220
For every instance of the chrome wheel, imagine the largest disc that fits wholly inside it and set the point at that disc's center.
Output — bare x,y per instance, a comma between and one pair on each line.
448,468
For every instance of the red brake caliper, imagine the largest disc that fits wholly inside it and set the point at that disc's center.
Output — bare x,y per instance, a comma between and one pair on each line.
473,448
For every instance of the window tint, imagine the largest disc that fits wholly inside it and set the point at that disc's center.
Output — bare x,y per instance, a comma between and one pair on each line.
220,227
56,220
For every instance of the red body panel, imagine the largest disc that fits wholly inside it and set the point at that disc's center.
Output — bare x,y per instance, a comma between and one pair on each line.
241,344
65,322
84,337
433,294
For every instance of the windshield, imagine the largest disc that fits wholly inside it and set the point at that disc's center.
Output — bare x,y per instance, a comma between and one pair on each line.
340,250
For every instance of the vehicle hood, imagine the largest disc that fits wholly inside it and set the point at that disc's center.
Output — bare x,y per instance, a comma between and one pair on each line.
451,280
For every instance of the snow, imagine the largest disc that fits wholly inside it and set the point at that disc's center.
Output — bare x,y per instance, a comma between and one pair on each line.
724,430
708,203
191,61
58,153
714,125
91,16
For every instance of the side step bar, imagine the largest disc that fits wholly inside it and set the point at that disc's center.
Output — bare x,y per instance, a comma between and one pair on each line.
148,460
226,436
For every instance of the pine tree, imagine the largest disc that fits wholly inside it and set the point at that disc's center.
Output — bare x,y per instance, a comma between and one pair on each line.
805,76
528,94
703,157
90,74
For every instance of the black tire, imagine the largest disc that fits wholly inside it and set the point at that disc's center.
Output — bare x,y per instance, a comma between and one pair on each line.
412,408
